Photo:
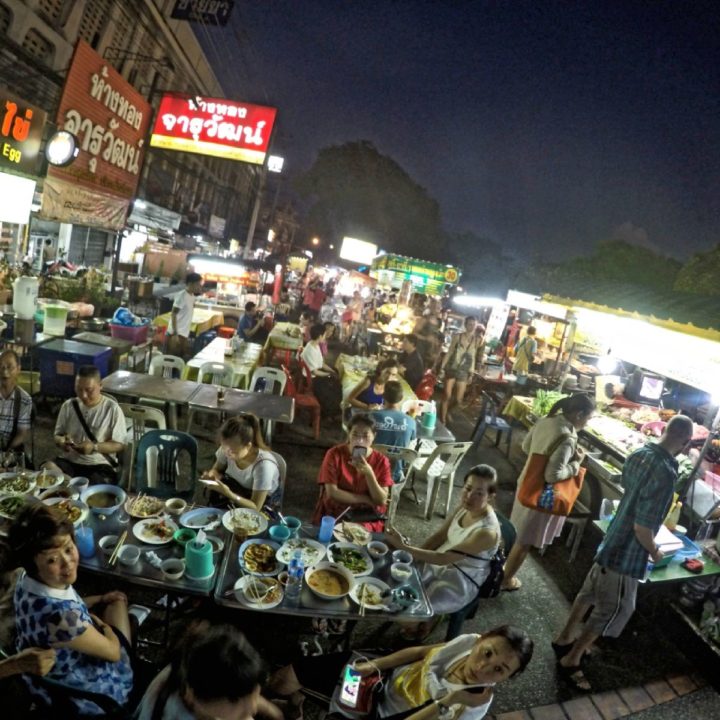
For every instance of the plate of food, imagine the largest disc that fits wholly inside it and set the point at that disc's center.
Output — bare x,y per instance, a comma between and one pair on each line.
48,481
311,551
155,531
352,533
251,521
258,593
369,593
22,482
350,556
10,505
144,506
73,510
201,517
257,557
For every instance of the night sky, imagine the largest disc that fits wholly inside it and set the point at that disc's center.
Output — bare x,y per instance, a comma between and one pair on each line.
547,126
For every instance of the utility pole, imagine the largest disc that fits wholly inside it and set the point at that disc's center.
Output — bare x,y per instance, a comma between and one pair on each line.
255,213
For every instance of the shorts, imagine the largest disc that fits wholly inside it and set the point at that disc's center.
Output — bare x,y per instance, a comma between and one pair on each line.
612,596
457,374
96,474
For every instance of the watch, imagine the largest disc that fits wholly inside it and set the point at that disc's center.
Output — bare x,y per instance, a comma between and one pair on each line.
444,712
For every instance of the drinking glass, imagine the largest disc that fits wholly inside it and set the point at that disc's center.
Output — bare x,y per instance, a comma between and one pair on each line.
327,525
85,541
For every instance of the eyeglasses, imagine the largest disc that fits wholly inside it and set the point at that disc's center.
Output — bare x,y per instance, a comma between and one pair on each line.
360,438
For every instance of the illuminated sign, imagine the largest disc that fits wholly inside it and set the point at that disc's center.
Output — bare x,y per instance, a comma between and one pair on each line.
421,273
110,120
213,126
16,195
21,128
359,251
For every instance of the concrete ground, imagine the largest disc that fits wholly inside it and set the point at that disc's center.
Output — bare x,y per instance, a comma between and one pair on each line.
657,669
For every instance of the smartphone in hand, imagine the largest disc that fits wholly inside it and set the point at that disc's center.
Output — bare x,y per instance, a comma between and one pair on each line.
359,452
208,481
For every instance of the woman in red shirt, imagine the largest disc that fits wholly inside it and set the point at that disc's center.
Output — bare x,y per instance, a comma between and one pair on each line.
353,474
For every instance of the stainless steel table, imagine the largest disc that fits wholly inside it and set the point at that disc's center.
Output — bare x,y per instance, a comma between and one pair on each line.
272,408
132,384
312,606
440,433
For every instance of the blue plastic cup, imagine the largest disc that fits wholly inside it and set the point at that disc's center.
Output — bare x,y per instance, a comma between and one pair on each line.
327,525
85,541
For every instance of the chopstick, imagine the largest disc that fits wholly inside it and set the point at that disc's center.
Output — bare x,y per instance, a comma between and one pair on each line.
342,513
133,507
362,600
121,542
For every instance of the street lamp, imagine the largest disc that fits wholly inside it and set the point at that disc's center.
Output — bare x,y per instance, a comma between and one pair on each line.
316,241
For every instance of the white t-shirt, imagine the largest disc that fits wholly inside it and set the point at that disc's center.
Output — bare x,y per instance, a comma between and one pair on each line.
105,419
436,684
184,303
174,707
312,357
263,474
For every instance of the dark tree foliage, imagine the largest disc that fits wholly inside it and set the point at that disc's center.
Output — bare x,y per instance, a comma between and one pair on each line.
355,190
486,269
701,274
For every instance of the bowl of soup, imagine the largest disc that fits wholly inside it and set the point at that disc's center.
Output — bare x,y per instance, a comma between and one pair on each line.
103,499
329,580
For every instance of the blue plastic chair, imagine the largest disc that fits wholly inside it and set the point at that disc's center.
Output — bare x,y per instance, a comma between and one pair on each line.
488,419
169,444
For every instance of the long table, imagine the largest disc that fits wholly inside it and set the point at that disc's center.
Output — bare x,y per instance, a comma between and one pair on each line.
353,369
312,606
202,320
243,361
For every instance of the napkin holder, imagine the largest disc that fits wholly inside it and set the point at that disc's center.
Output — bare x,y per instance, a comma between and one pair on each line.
199,560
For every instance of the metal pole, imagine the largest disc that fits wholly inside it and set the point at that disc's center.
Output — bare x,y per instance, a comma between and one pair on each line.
255,213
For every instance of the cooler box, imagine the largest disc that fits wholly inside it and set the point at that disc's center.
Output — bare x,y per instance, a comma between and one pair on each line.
60,359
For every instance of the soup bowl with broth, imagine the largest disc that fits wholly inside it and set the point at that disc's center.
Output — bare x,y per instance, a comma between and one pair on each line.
329,580
104,499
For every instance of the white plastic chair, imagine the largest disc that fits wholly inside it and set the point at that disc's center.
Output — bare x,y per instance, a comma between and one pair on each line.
138,417
282,467
166,366
408,456
217,374
271,376
439,467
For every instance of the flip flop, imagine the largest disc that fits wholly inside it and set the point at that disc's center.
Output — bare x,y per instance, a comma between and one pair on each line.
514,585
575,676
561,650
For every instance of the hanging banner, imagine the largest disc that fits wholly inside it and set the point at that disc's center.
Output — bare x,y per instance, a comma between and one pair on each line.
70,203
21,129
213,126
154,216
110,120
207,12
216,228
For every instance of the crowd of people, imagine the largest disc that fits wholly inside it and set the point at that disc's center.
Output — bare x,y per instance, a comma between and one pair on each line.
84,645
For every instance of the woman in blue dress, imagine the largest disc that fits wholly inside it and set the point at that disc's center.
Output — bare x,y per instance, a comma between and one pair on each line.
368,393
91,648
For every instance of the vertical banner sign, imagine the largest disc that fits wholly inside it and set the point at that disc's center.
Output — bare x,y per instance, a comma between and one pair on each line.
21,129
110,120
214,126
207,12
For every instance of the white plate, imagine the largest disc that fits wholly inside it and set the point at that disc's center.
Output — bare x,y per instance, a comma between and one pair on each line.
355,548
58,480
29,483
84,509
131,501
379,584
240,595
252,521
311,551
139,531
200,517
241,557
11,495
360,535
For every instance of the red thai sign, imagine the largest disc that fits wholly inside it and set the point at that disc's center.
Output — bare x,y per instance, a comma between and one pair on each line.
213,126
110,118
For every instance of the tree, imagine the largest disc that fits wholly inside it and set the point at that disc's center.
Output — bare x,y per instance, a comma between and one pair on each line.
701,274
486,270
356,191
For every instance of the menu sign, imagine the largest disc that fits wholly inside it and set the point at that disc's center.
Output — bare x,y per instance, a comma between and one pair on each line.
110,119
21,129
214,126
430,272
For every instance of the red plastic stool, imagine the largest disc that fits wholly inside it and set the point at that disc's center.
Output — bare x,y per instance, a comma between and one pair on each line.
225,332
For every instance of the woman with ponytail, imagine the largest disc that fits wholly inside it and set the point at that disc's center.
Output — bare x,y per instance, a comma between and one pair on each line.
245,471
555,436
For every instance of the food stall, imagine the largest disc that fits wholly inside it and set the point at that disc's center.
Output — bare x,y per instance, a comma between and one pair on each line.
430,278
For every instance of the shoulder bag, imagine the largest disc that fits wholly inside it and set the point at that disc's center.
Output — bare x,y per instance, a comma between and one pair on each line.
559,497
91,435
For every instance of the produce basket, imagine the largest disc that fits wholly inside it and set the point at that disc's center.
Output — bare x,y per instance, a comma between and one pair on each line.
602,469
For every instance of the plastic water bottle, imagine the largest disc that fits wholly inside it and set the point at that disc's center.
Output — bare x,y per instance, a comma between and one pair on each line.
547,498
296,570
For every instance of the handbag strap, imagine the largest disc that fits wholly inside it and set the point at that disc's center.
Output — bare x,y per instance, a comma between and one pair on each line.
91,435
16,418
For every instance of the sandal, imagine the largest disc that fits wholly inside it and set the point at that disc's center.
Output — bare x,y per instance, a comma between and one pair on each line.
561,650
512,586
575,676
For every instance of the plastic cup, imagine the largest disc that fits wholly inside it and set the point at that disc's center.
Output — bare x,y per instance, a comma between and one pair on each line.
280,533
294,524
85,541
327,525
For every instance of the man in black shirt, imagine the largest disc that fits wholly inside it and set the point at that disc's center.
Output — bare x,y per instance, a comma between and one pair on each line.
410,361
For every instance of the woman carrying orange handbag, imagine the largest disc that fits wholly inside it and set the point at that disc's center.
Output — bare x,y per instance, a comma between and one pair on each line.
554,436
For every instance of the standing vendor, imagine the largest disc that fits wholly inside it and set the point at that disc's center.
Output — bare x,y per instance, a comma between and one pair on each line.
525,352
178,332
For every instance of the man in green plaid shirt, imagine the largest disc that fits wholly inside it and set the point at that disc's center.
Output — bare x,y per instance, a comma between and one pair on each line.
610,588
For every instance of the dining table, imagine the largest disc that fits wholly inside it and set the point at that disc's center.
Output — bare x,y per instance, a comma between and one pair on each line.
203,319
285,337
354,368
310,605
242,360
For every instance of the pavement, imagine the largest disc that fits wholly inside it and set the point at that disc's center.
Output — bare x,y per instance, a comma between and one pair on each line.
657,669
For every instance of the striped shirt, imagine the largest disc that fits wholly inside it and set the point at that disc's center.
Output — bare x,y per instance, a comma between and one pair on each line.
7,415
649,477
